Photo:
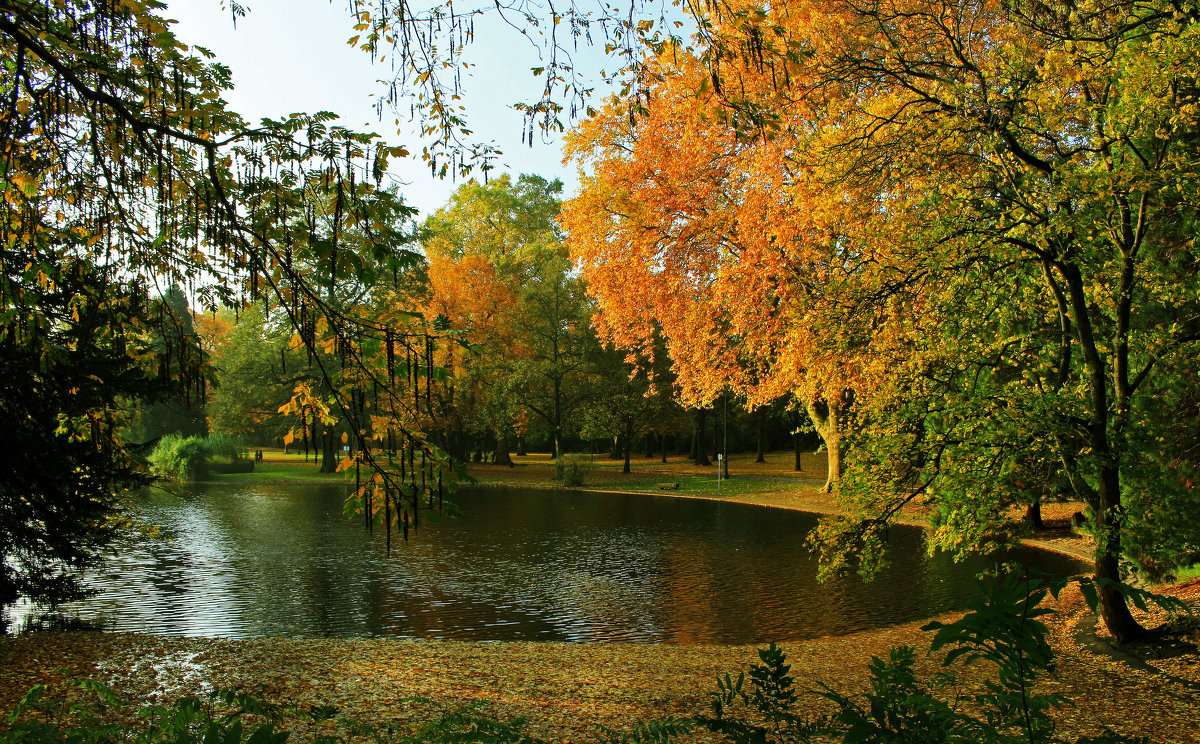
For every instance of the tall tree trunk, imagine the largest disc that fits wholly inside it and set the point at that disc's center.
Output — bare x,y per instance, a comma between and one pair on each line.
501,455
1113,609
557,425
760,436
459,445
698,454
627,448
315,438
329,461
558,455
826,419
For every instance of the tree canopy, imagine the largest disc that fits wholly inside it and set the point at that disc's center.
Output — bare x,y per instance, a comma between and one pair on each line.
124,173
960,233
975,217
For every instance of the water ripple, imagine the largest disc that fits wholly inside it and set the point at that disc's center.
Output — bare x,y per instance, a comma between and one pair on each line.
519,565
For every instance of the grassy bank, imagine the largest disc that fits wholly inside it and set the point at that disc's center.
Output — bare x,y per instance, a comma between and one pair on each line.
773,483
278,467
537,470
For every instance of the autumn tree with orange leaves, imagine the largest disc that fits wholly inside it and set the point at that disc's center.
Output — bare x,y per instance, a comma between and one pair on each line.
684,223
976,216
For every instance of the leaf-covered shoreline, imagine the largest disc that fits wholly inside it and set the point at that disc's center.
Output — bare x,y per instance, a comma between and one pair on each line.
564,690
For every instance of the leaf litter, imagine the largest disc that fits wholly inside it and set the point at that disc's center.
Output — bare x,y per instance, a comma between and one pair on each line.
563,690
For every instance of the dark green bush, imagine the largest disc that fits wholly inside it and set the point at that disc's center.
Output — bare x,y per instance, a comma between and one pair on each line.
180,458
189,458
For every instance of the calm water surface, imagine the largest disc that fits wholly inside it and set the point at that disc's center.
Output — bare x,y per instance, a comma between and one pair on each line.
517,565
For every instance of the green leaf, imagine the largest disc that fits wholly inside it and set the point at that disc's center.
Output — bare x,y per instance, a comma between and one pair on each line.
1090,594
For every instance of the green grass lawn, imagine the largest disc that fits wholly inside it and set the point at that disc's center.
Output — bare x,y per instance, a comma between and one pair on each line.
277,467
1187,573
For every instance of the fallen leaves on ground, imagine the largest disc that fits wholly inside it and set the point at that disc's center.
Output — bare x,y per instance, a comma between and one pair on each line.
563,690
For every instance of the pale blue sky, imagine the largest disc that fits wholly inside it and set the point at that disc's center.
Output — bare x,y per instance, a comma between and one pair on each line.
291,55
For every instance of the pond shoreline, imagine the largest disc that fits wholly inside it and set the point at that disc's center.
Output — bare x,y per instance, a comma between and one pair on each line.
771,484
562,689
794,491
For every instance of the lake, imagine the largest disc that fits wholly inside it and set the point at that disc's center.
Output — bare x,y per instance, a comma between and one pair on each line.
518,564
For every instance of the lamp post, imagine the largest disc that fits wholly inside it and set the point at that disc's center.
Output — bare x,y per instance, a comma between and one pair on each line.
720,461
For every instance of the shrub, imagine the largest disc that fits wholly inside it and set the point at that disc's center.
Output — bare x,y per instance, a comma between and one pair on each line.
180,458
188,458
574,470
225,447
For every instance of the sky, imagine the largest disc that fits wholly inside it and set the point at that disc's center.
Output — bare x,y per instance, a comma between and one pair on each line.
291,56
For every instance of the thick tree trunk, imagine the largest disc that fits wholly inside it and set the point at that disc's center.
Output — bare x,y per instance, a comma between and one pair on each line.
329,461
501,455
828,423
1113,609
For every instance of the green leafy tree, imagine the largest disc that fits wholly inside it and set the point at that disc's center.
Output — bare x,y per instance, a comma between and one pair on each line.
554,319
255,374
501,274
68,349
625,400
122,161
184,411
